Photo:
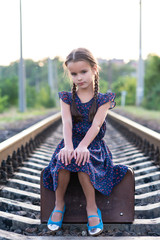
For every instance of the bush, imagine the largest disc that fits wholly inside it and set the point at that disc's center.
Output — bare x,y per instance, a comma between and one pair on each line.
44,98
3,102
152,99
152,83
9,87
127,84
103,86
31,96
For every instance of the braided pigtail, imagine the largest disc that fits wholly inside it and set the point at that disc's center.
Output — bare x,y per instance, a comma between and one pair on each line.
93,108
74,111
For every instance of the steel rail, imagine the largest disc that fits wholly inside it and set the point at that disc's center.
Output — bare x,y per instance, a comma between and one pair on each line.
15,189
12,144
144,132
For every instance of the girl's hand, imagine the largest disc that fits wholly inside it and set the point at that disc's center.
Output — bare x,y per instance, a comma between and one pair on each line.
66,154
81,154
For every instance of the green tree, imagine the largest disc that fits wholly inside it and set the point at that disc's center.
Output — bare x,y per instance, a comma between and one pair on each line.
115,71
127,84
9,87
44,98
31,96
9,71
3,102
152,83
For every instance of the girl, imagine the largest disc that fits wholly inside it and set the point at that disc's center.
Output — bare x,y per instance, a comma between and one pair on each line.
83,149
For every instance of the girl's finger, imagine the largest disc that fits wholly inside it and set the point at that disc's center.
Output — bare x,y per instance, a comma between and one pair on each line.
66,158
85,158
77,157
62,157
72,155
75,154
81,158
69,157
88,157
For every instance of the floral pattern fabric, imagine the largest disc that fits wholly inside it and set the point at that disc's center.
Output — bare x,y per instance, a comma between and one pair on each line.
104,175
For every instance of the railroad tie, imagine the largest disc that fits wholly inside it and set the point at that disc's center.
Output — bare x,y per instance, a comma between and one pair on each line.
20,196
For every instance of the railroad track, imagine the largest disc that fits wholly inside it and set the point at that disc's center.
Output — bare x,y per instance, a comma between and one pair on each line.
20,194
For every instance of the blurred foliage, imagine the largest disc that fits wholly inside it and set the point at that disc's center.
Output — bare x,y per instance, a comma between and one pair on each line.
3,102
118,78
113,76
152,83
127,84
9,88
111,71
103,86
37,89
38,92
31,96
44,98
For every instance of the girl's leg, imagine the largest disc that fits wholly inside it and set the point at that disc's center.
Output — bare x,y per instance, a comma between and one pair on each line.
63,180
89,193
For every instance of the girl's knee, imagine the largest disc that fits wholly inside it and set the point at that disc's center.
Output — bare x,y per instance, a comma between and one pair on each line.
64,171
80,174
83,175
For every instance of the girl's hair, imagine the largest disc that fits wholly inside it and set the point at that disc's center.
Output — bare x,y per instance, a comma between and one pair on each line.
82,54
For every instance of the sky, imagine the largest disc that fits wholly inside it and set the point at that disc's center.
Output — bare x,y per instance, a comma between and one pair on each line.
108,28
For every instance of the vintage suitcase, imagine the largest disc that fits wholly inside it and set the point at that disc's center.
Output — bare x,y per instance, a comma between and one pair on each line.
116,208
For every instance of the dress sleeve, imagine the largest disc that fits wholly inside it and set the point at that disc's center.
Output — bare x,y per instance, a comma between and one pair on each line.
107,97
65,97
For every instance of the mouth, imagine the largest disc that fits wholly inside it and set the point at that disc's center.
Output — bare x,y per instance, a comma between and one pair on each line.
80,83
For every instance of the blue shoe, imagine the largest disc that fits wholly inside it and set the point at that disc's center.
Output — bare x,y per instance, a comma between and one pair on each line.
97,229
54,226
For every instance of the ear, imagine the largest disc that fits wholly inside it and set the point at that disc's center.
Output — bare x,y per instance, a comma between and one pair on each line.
94,69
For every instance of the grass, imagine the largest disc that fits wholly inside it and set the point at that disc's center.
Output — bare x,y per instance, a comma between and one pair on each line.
141,112
13,114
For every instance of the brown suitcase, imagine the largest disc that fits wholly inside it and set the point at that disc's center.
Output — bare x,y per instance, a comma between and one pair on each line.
116,208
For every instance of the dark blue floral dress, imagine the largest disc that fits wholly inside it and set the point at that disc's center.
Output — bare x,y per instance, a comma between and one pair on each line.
103,174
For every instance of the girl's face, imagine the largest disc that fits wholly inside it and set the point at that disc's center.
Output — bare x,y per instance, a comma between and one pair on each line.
82,73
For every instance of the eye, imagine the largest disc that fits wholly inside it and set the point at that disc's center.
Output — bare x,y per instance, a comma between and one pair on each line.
73,74
84,71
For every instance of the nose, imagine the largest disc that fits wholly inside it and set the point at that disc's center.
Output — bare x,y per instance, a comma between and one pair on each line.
79,77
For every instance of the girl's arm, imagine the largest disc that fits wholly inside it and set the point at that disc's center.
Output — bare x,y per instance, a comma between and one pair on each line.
81,153
66,153
67,123
96,125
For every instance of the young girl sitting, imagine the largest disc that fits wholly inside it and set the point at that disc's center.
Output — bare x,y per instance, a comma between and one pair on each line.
83,149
